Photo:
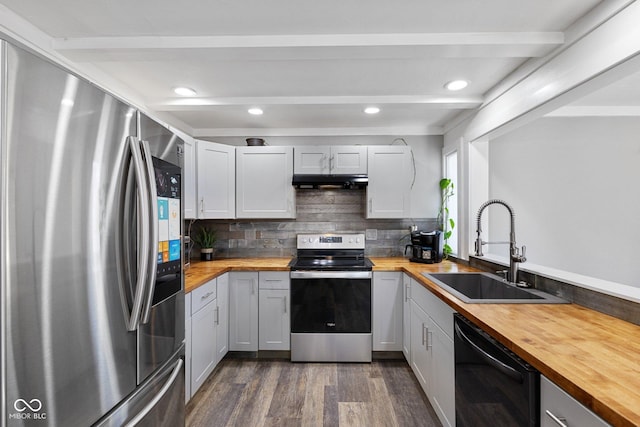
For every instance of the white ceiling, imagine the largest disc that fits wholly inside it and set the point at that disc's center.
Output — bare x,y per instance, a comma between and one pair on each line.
311,65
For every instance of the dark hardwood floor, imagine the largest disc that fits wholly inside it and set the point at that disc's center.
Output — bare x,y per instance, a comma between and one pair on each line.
259,392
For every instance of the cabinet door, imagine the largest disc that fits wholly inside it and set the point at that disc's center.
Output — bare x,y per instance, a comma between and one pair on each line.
203,345
443,373
348,159
216,180
406,317
187,347
420,355
274,331
387,311
189,180
243,311
388,191
556,405
311,160
222,317
263,187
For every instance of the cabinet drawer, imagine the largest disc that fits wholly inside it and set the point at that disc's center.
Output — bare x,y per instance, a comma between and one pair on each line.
203,295
273,280
556,403
437,309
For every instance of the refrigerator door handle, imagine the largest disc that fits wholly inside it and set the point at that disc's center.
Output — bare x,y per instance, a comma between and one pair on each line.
144,241
153,229
165,388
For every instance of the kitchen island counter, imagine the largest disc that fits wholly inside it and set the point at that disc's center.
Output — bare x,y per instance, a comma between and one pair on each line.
592,356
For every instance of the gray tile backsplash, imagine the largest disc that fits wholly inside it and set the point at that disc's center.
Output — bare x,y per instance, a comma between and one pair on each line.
318,211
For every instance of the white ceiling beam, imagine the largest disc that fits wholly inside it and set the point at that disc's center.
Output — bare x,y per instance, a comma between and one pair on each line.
195,104
596,111
309,40
341,131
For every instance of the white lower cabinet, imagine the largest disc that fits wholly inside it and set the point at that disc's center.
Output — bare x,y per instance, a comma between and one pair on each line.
557,408
420,355
387,311
203,334
406,317
273,311
206,331
187,347
222,317
432,351
243,311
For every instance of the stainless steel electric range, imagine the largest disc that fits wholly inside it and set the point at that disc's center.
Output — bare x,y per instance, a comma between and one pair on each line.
331,299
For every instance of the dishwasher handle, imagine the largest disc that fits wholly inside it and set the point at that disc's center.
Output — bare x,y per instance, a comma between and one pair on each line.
492,361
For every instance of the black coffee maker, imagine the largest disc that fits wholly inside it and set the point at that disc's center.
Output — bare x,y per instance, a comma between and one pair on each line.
425,247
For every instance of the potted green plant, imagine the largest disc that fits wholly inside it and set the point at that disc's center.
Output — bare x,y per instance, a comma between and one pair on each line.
446,224
205,238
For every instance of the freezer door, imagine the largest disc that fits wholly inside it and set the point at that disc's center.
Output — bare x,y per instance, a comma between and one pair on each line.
69,357
158,402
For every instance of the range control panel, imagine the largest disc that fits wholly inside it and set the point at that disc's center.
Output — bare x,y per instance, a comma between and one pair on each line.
330,241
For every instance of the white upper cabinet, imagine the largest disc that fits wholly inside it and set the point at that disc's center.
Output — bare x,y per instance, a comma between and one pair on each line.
331,160
390,171
189,180
263,183
216,180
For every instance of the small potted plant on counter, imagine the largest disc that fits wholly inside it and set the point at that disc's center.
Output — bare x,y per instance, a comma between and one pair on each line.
205,238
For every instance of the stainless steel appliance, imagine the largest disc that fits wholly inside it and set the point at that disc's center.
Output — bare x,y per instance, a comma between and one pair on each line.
331,299
493,385
426,247
91,266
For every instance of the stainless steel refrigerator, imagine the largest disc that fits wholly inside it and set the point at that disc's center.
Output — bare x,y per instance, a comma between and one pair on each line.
90,259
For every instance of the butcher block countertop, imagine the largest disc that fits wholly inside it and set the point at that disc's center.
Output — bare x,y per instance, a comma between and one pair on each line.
592,356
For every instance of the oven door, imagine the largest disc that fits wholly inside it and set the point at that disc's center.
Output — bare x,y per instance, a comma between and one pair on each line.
334,302
331,316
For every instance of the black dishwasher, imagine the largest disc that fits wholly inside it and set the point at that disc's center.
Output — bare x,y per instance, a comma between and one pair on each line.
494,387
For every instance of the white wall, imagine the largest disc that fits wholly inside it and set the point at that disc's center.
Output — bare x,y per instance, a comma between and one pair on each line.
427,151
573,183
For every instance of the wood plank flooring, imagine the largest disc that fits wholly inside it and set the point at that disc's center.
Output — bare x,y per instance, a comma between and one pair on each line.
259,392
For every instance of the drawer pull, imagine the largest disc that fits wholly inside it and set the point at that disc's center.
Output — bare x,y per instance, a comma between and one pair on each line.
562,422
205,296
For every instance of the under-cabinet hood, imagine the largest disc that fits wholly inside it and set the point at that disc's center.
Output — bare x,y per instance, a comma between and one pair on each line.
330,181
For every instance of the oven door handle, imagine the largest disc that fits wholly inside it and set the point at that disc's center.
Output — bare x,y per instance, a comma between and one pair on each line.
331,275
492,361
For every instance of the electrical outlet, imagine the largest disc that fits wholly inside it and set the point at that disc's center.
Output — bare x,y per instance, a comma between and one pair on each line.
371,234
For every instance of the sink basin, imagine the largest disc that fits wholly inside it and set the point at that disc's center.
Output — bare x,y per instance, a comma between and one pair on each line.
485,288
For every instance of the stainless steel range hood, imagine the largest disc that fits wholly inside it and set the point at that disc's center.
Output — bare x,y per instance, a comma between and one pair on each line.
330,181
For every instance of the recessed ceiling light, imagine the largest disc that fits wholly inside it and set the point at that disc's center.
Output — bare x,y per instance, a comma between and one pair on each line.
456,85
184,91
372,110
255,111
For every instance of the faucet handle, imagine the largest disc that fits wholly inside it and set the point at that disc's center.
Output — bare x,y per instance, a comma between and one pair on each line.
517,257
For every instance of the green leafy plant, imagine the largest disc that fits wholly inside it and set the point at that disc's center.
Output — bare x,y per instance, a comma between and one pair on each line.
205,237
446,224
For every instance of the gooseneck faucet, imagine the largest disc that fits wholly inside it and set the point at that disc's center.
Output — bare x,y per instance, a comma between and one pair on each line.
515,257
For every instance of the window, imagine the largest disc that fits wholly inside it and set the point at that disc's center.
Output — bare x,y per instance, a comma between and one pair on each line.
451,172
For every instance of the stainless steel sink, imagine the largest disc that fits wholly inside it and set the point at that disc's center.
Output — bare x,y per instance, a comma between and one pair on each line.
485,288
